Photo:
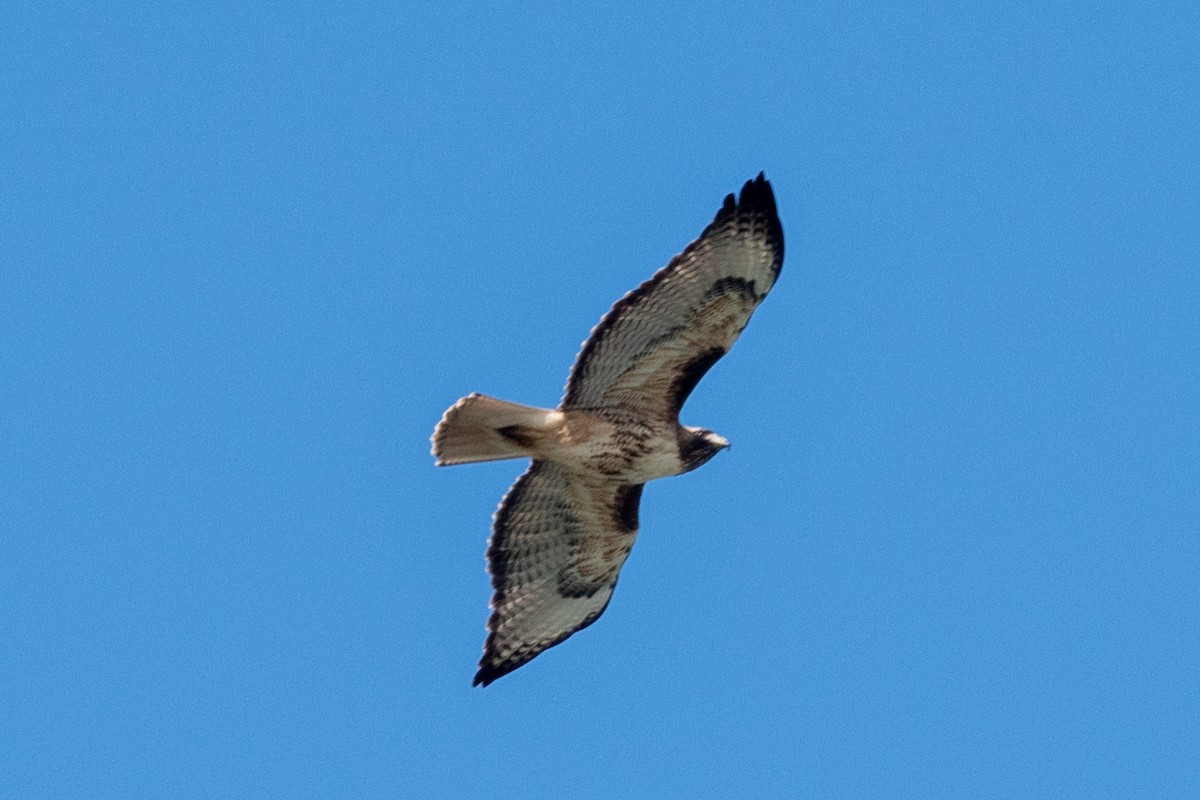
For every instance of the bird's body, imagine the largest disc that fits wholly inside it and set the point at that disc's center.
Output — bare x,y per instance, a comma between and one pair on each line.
618,444
564,529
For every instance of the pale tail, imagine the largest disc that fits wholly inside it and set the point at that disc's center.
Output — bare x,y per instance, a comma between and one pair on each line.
470,430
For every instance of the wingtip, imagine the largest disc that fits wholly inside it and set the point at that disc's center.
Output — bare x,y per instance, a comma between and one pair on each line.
485,674
756,196
757,193
756,200
489,673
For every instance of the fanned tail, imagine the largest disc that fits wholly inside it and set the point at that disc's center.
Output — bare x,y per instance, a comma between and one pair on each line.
481,428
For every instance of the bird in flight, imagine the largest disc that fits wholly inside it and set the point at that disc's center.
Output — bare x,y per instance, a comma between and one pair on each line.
565,528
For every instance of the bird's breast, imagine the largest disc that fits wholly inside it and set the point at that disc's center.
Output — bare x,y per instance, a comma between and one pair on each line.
618,446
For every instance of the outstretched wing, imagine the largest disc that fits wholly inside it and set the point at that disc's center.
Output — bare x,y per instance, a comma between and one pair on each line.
558,542
651,349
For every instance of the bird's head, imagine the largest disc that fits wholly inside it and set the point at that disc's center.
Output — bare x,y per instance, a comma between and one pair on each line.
698,445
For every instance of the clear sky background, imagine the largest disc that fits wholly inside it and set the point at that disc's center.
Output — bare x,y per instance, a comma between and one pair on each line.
249,253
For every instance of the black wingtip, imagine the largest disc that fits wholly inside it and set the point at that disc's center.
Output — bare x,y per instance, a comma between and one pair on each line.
756,201
489,672
757,194
486,674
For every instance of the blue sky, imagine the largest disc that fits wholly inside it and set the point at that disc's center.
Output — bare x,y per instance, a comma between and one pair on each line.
250,252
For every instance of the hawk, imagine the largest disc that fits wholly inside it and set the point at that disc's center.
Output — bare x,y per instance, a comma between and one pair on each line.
565,528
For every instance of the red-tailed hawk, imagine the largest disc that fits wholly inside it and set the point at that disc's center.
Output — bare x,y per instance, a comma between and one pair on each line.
565,527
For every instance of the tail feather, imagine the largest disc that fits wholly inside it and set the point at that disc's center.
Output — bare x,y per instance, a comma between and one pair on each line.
481,428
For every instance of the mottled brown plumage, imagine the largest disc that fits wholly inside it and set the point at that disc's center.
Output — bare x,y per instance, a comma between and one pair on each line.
565,528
